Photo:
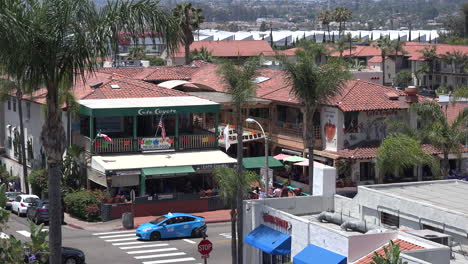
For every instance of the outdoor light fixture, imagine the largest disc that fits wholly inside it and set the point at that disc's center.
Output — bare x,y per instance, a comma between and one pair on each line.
266,176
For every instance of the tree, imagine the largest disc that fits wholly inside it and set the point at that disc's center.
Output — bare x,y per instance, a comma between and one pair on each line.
326,17
340,46
239,81
341,15
60,41
72,169
263,27
137,53
403,78
9,87
203,55
392,255
313,84
228,183
430,56
189,19
385,46
436,129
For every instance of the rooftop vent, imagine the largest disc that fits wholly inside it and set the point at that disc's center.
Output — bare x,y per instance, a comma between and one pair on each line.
261,79
115,86
96,85
392,95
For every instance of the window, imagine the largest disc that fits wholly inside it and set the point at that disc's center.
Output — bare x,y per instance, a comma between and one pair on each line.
275,259
18,199
259,112
351,122
366,171
14,104
389,219
28,110
9,103
429,227
445,80
84,126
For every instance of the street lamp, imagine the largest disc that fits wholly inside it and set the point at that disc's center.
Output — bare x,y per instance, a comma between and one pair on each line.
251,120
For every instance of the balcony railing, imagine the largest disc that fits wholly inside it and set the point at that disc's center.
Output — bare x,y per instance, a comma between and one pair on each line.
197,141
116,145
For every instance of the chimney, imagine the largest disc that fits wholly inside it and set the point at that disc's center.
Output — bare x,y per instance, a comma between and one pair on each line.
411,94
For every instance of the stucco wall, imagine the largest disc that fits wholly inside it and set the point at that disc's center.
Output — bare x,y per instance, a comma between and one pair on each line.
434,256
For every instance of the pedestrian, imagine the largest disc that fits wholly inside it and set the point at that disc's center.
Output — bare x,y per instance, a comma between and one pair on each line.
285,191
277,191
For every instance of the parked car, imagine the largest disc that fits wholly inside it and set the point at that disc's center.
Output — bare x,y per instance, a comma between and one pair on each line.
38,211
69,256
172,225
21,203
10,198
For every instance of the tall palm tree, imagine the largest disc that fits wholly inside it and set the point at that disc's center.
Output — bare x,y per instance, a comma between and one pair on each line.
326,18
240,83
341,15
385,46
313,84
228,184
65,40
189,19
430,57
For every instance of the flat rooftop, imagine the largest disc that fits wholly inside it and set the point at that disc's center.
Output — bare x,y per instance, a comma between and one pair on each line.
331,226
445,194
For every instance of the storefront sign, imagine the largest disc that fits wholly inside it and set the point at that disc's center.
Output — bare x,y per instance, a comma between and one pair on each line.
128,172
156,111
381,112
267,218
156,143
212,166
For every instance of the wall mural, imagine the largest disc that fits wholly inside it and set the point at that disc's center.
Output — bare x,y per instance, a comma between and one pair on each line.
330,127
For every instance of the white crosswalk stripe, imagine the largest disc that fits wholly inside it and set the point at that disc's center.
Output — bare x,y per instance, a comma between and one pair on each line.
226,235
158,252
24,233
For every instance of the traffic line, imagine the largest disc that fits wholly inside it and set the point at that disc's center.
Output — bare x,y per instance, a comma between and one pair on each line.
144,246
112,236
121,239
24,233
129,243
189,241
3,235
115,232
161,255
169,261
151,250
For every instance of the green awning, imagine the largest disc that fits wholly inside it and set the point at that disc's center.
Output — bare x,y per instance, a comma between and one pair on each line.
294,159
259,162
167,170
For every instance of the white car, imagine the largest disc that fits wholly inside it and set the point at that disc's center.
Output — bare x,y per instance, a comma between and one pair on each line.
21,203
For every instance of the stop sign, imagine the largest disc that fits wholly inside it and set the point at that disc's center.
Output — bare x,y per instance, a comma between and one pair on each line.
205,246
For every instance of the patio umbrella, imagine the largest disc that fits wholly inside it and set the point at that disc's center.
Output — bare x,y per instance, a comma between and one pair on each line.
294,159
304,163
281,156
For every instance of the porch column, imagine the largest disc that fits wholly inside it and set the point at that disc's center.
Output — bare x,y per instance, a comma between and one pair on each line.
91,132
176,139
142,184
216,129
135,136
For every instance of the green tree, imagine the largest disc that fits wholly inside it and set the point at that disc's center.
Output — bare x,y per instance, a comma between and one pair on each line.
60,41
340,46
403,78
239,81
341,15
230,185
312,85
38,180
203,55
72,169
137,53
263,27
38,244
189,19
430,57
391,255
385,46
326,17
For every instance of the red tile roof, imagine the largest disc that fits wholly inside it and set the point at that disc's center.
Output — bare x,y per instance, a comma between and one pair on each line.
287,52
163,73
404,246
229,48
452,111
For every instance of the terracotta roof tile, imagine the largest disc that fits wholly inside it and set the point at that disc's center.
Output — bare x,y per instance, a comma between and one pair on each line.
452,111
404,246
229,48
164,73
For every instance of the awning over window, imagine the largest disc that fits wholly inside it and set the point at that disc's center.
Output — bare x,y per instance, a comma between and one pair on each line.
313,254
167,170
269,240
259,162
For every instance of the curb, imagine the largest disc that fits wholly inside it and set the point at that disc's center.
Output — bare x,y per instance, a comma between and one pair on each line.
75,226
206,222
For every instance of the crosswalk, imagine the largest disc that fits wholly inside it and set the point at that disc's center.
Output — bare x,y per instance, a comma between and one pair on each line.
226,235
149,252
21,232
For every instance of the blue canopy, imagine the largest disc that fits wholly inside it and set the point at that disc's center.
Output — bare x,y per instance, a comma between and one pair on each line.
313,254
269,240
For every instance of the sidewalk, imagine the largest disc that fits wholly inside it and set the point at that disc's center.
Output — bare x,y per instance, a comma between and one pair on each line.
218,216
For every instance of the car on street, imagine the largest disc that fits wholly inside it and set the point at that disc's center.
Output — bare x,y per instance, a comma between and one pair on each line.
10,198
38,211
172,225
69,256
21,203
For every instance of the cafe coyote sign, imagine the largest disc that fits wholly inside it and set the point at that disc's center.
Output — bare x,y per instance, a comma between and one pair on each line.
267,218
156,111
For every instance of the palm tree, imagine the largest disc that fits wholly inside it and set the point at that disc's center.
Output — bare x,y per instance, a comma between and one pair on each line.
66,40
385,46
341,15
430,56
392,255
240,83
340,46
189,19
437,130
313,84
203,55
228,184
326,17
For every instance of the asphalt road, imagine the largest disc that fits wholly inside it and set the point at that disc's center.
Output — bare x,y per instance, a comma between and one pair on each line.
122,247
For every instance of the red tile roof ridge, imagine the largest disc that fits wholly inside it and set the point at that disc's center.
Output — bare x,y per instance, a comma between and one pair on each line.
404,246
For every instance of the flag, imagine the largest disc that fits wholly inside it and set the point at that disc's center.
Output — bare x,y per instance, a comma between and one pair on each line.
226,137
163,130
106,137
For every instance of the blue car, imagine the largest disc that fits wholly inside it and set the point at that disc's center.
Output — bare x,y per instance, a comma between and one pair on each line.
172,225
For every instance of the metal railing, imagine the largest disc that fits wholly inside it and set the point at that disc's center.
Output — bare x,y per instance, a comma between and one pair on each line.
197,141
116,145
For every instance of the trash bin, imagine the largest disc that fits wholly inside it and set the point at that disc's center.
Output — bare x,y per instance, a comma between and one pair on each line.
127,220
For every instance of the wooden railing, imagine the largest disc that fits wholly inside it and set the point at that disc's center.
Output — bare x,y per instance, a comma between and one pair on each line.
197,141
116,145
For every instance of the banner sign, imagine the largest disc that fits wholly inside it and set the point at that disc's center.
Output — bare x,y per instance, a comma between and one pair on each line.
156,111
156,143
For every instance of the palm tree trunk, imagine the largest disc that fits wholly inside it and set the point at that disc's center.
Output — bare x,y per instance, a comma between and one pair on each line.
53,137
383,69
240,198
69,139
328,28
309,139
19,97
233,231
187,54
445,165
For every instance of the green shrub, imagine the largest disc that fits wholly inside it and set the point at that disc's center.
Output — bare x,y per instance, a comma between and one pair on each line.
84,204
38,181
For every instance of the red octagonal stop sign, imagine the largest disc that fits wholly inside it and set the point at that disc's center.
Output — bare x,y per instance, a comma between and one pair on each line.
205,246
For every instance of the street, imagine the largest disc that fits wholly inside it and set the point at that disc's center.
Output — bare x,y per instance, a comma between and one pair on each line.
122,247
